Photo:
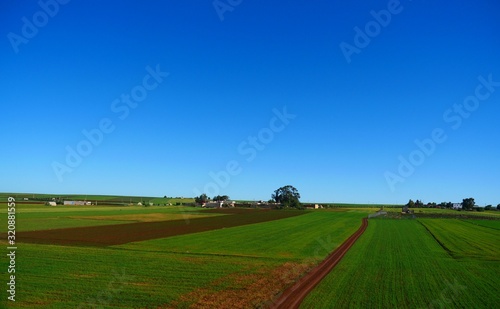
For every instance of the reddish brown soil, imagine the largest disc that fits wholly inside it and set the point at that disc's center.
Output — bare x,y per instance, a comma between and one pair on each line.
124,233
242,290
293,297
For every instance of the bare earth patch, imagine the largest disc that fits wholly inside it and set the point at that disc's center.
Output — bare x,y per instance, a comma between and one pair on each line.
108,235
244,290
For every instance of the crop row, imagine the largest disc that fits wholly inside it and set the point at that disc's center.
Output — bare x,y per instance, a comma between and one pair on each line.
399,264
244,265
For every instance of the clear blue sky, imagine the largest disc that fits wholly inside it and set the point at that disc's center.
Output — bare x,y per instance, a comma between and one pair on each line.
354,112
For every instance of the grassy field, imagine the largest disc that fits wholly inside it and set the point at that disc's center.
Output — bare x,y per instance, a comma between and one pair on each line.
422,263
429,263
378,206
140,231
465,241
31,217
81,277
448,212
309,236
494,224
233,267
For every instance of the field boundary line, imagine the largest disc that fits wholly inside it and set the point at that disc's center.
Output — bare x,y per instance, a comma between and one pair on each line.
294,295
257,257
450,253
475,224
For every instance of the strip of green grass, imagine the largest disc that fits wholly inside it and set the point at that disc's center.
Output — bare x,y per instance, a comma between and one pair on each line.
378,206
451,212
157,273
72,277
494,224
39,217
398,264
464,240
312,235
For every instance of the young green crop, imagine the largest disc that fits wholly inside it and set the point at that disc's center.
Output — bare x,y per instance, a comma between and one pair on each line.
399,264
309,236
494,224
39,217
180,270
464,240
69,277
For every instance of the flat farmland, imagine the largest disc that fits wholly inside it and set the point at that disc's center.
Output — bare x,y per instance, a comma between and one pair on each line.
494,224
425,263
448,213
228,267
464,241
104,235
186,257
89,277
32,217
310,237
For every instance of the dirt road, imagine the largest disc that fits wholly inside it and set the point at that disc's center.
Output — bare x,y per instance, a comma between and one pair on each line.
293,296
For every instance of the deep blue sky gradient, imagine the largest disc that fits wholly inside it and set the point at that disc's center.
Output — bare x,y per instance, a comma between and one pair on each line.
353,120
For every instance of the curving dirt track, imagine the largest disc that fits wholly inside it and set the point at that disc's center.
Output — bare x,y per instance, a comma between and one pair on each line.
293,296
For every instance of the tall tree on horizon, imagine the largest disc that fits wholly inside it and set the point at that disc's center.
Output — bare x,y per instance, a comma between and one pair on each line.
288,196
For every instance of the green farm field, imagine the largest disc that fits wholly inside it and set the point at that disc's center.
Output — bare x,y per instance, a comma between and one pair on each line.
31,217
449,213
424,263
494,224
236,267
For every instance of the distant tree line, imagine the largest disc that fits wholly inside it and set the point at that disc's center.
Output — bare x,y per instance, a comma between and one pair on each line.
467,204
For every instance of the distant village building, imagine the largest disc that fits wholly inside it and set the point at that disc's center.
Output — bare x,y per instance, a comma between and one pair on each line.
406,210
269,205
76,203
457,205
213,205
220,204
378,213
313,206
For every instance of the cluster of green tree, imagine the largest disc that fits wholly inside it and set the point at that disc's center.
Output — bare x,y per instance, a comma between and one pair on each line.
287,197
203,198
417,204
221,198
467,204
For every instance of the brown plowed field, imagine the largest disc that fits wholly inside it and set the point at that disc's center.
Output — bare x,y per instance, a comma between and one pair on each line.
124,233
293,297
